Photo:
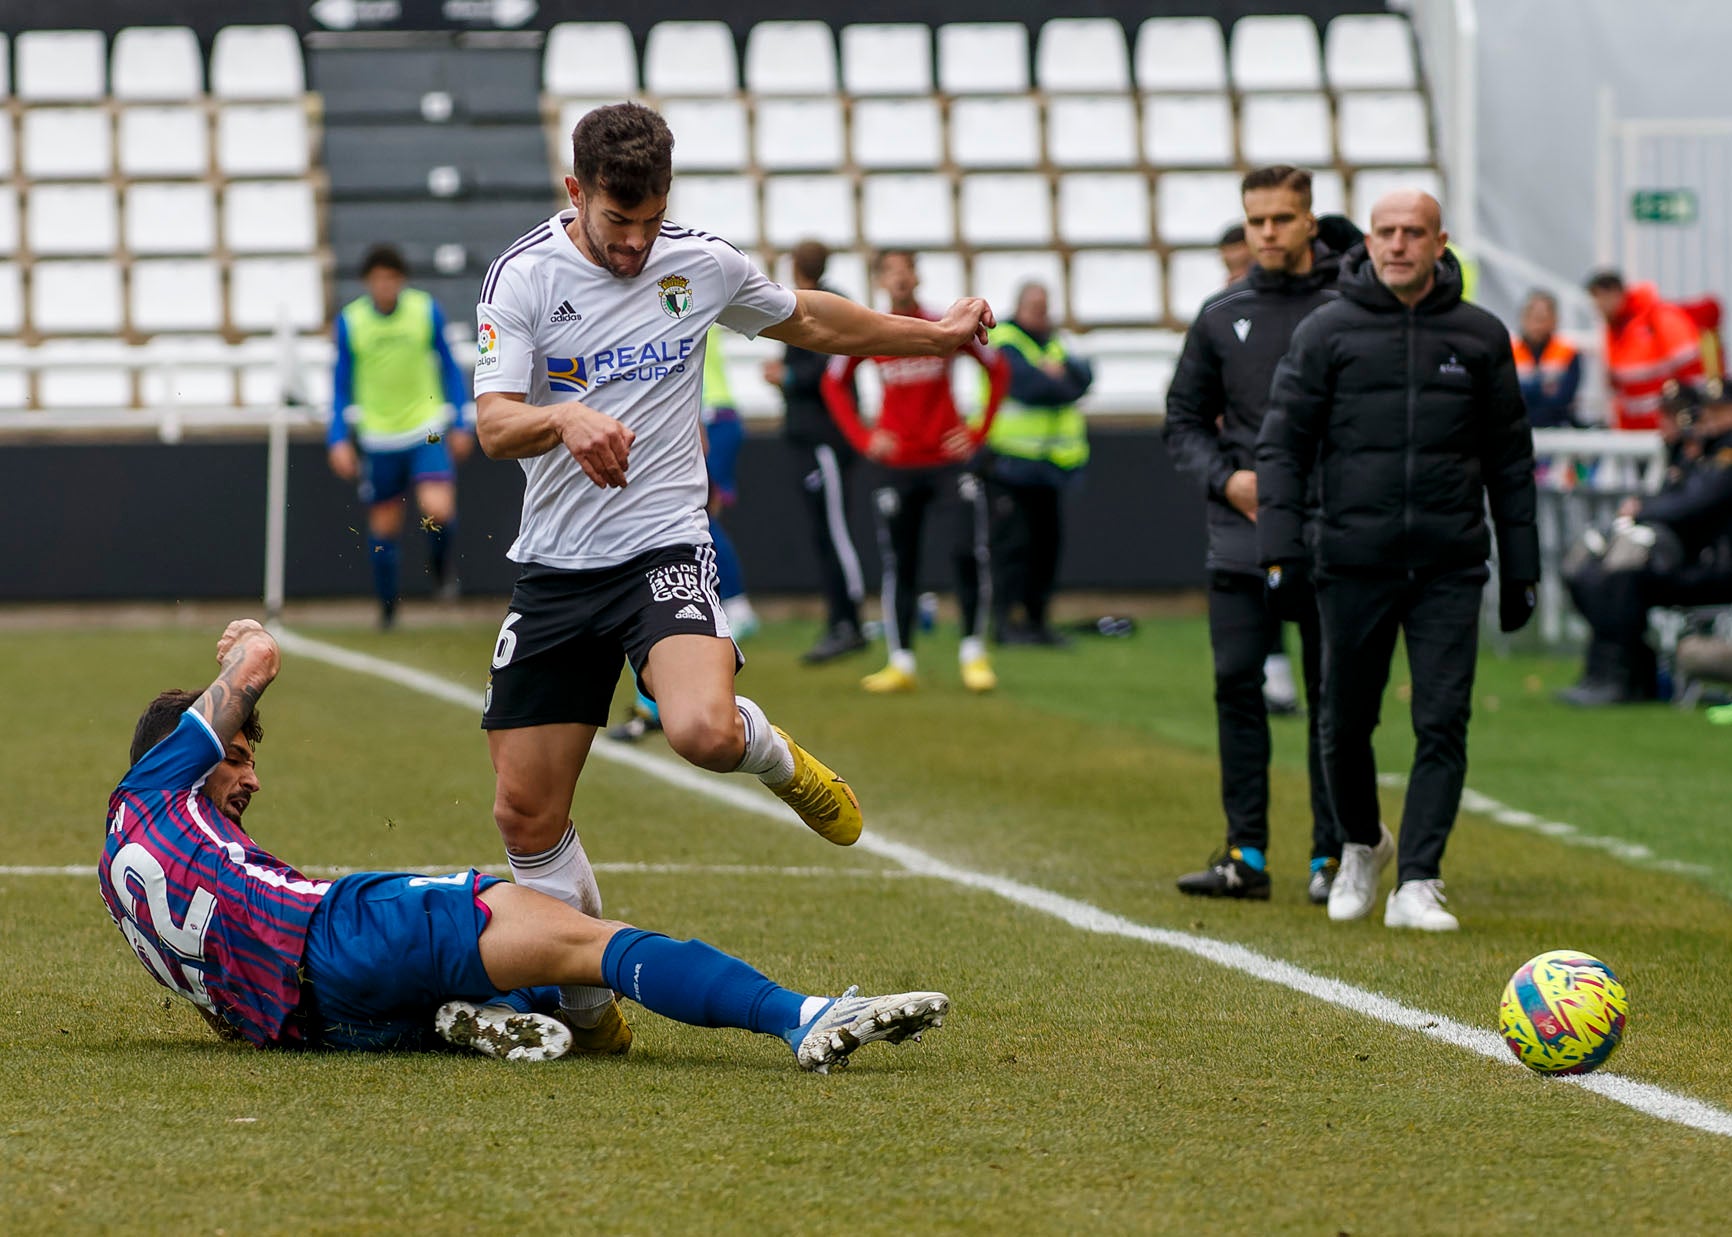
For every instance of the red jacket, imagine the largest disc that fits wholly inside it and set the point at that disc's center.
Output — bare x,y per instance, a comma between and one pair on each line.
1648,343
918,410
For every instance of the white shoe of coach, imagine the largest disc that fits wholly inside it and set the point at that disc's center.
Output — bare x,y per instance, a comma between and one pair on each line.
1355,888
1419,904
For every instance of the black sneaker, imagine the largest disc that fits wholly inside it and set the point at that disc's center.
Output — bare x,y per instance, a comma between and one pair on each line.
1322,881
839,641
1227,876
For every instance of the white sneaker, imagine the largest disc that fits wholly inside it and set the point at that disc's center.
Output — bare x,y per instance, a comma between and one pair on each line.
500,1031
1355,887
1419,904
850,1021
1279,691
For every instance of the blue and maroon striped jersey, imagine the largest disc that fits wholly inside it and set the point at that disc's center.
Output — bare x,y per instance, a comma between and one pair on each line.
212,917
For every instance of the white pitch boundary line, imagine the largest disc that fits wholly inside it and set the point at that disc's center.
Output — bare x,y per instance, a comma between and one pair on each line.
1568,834
652,869
1641,1096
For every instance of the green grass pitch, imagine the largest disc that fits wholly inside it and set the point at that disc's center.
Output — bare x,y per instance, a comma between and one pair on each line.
1083,1083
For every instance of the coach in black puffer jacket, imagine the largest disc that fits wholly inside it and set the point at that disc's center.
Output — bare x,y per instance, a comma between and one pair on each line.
1403,400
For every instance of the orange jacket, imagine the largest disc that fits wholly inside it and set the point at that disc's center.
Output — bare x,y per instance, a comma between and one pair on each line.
1647,343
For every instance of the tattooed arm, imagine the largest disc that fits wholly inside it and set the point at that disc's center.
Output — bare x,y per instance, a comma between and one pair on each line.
249,658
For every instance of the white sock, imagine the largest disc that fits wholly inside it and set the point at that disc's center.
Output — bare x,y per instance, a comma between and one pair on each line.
903,660
766,755
973,649
811,1007
562,871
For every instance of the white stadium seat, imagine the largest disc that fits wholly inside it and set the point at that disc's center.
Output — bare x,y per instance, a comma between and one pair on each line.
798,208
791,58
710,134
1385,128
845,272
1091,131
257,62
61,66
1371,51
589,58
897,133
9,234
262,291
1181,53
5,66
998,275
988,57
725,206
11,298
691,58
1081,55
199,367
1286,128
943,278
573,110
1275,53
78,376
67,143
1188,130
170,218
798,135
270,216
8,141
908,210
1103,208
176,294
1193,275
1109,286
164,141
1369,184
1328,193
1012,208
160,63
890,59
1191,208
71,221
995,133
1131,380
76,298
262,139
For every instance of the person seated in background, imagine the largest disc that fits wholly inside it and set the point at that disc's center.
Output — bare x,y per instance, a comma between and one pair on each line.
384,960
1648,343
1673,548
1547,366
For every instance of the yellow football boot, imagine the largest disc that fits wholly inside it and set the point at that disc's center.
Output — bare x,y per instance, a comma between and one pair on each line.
978,676
889,680
611,1037
821,799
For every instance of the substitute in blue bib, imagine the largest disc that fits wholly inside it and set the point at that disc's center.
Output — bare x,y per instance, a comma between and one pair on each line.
398,396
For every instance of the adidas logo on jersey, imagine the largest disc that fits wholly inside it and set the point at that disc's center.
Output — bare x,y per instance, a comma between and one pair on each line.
692,612
565,313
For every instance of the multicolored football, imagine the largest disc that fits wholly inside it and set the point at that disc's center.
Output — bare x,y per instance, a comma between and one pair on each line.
1563,1013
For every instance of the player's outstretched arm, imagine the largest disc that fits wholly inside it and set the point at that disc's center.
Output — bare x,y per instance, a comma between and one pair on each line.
249,659
510,429
825,322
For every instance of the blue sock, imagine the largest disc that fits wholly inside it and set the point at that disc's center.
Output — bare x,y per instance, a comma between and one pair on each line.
1321,862
697,984
649,708
531,1000
439,550
1251,856
383,557
730,579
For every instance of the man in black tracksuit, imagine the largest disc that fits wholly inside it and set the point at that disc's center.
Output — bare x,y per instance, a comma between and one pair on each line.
1402,399
824,461
1215,407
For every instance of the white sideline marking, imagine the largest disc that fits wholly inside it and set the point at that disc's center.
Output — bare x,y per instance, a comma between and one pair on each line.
494,866
1570,835
1641,1096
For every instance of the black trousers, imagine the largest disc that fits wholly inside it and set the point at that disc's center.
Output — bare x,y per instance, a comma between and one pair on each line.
824,475
903,499
1243,631
1438,614
1616,603
1027,531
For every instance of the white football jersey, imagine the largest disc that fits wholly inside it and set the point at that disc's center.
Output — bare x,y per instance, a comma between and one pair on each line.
553,327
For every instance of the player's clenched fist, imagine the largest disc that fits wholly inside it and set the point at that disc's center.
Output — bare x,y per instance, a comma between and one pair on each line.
969,318
240,632
598,443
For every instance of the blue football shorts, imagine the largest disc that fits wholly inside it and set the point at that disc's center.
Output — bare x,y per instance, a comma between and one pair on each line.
385,950
386,475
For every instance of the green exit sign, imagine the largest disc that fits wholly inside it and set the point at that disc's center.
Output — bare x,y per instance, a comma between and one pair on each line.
1663,206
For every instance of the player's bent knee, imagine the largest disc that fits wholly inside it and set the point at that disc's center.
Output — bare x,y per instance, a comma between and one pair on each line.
527,828
710,738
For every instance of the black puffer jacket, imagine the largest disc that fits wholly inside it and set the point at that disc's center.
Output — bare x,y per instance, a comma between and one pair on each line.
1410,418
1240,334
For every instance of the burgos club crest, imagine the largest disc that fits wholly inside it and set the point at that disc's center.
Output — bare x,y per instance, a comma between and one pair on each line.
674,295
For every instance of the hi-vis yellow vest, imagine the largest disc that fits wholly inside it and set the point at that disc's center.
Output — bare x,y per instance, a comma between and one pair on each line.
397,385
1055,435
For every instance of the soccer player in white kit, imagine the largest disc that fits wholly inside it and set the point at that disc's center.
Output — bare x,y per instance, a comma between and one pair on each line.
589,368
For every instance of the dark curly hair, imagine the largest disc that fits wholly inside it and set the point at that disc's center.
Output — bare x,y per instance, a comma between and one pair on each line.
163,715
626,150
